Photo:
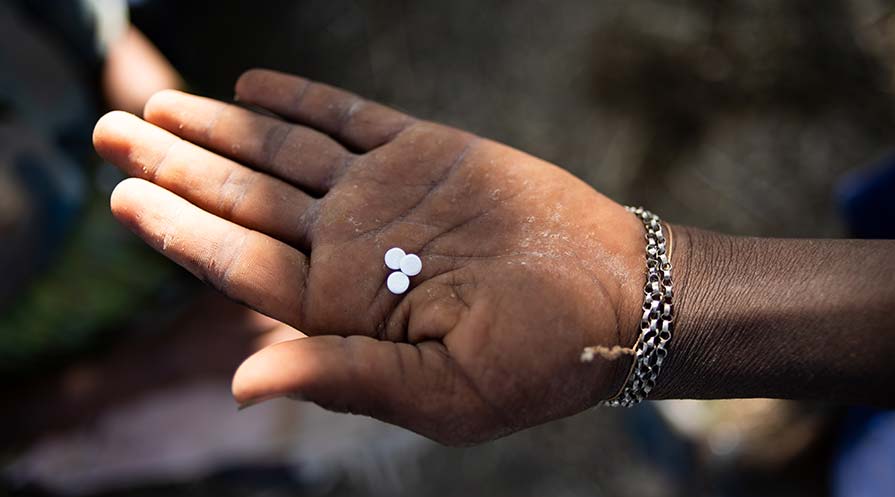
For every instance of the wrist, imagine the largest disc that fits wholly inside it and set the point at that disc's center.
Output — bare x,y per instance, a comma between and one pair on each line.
698,258
733,300
694,366
781,318
650,247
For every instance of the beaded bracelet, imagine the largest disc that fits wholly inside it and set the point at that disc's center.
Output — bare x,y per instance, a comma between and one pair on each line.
657,321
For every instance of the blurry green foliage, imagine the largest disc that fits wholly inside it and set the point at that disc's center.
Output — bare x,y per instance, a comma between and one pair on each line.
101,278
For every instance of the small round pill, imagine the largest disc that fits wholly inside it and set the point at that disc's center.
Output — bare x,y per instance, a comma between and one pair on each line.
393,258
411,265
398,282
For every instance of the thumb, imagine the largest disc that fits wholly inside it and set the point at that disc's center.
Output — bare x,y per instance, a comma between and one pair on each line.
396,382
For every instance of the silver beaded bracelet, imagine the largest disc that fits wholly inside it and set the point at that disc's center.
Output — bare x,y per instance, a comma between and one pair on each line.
657,321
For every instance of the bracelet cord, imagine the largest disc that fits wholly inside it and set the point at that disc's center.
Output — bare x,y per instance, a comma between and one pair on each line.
657,320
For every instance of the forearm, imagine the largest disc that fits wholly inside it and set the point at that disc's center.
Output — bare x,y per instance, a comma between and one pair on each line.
801,319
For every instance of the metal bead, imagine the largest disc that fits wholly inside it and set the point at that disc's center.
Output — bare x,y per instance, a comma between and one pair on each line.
657,321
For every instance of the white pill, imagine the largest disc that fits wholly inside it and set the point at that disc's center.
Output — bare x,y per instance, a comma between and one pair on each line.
393,258
398,282
411,265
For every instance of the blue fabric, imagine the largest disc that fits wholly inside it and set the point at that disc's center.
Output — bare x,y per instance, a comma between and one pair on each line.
867,200
865,459
864,462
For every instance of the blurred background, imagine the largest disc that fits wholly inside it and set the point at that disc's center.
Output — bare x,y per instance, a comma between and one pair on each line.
750,117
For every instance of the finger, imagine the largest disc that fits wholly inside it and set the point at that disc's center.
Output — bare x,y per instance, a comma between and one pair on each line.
395,382
214,183
297,154
245,265
281,333
358,123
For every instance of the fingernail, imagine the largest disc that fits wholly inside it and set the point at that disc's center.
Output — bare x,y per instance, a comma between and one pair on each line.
264,398
256,401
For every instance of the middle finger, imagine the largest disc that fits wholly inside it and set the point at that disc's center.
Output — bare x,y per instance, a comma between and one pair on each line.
297,154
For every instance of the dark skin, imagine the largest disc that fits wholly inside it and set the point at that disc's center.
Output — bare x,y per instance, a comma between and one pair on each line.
783,318
523,266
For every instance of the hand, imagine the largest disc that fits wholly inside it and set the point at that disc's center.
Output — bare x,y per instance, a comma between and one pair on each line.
523,264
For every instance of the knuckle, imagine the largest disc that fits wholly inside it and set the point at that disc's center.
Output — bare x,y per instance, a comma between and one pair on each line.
154,171
233,191
274,141
353,108
223,271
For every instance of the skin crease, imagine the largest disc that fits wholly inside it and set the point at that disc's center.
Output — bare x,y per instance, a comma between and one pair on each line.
524,265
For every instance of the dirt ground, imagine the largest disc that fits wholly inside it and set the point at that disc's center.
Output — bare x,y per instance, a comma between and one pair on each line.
740,116
734,115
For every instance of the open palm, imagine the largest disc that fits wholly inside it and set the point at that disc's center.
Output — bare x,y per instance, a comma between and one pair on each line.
523,264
